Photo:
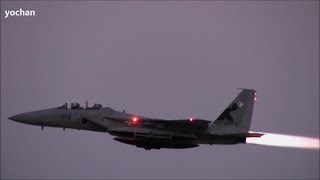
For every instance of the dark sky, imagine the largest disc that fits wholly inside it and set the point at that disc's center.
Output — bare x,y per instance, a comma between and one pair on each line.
162,59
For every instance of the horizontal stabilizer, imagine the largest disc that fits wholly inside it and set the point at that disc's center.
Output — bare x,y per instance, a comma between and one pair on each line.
246,135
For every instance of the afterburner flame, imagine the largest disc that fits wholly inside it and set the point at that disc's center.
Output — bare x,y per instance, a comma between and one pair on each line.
283,140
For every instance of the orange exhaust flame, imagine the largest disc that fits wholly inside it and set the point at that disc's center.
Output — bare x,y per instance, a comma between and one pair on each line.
283,140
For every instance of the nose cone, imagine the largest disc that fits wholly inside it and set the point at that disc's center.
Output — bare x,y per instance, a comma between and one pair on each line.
28,118
17,118
23,118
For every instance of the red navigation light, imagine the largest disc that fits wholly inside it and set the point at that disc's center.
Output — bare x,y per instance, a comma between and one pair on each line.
134,120
255,96
191,119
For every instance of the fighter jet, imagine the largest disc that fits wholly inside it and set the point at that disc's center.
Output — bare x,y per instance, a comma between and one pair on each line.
231,127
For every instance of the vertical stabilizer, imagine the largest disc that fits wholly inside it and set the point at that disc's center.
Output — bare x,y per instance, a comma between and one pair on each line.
236,118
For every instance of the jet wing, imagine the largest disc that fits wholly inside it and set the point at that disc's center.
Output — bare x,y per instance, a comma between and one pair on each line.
199,123
178,124
183,124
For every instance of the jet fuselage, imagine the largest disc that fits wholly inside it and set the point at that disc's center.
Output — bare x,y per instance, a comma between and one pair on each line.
151,133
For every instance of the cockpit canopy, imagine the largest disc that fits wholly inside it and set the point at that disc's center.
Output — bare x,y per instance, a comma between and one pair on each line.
77,106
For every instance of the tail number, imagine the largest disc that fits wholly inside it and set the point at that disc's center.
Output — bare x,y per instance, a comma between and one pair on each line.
65,116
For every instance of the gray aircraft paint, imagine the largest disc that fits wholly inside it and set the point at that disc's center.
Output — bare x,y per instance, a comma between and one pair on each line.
165,60
231,127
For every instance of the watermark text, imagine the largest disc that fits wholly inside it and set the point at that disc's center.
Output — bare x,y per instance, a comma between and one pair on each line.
19,12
